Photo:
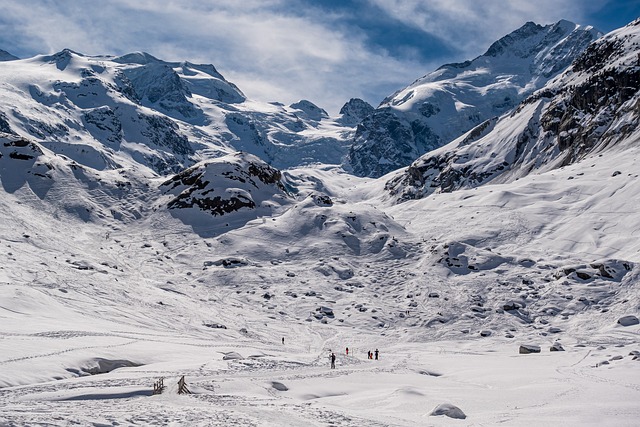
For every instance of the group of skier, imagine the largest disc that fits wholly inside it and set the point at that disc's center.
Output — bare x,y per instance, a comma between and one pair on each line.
332,356
370,355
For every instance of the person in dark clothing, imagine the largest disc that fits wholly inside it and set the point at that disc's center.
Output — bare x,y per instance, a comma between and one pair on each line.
282,340
347,351
376,353
333,361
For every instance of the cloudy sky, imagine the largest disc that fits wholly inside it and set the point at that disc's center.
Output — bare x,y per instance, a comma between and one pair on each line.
326,51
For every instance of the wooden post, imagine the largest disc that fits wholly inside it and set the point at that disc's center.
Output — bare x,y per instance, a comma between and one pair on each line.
182,386
158,386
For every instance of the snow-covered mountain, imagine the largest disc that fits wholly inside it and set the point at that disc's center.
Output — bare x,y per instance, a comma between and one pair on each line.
164,115
455,98
590,109
145,233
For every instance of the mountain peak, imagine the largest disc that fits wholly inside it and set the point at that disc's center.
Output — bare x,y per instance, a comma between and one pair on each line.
310,109
354,111
455,98
62,58
141,58
529,39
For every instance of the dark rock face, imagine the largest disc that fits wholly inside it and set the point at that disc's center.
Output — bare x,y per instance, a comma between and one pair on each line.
20,149
173,148
104,125
354,111
386,141
603,95
206,185
4,124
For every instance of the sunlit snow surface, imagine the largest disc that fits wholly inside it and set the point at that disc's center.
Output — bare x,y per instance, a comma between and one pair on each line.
150,295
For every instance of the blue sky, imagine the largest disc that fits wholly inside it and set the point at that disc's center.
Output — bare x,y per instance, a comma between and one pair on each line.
326,51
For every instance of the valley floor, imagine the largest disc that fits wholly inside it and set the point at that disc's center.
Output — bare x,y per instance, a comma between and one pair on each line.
266,383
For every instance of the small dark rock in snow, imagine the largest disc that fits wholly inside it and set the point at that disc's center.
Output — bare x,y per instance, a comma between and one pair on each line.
279,386
529,348
512,305
214,325
449,410
556,347
628,320
326,311
583,275
485,333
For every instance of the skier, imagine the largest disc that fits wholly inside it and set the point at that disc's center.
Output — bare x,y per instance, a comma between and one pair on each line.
347,351
282,340
333,361
376,353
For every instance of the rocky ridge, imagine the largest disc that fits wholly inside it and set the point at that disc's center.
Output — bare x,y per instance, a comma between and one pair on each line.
591,107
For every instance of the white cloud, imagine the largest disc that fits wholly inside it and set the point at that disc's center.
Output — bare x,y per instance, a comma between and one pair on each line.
472,25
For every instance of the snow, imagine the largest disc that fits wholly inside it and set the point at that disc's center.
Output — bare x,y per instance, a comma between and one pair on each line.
105,287
79,297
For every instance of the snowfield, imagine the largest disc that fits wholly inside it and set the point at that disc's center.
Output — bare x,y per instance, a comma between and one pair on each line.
447,288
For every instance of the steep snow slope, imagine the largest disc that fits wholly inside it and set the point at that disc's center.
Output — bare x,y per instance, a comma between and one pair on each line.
455,98
592,108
